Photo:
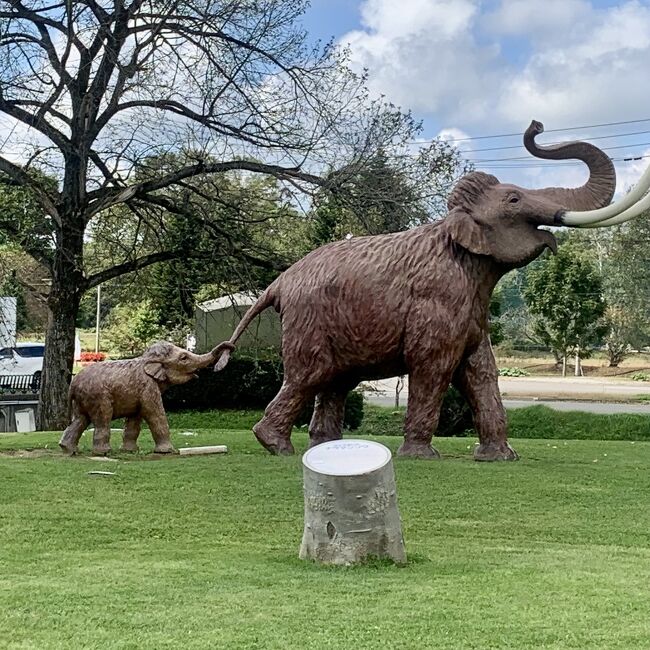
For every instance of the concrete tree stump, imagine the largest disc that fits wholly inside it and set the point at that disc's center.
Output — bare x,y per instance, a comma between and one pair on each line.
350,504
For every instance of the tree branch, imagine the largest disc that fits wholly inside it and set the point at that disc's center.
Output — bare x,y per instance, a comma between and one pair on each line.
103,199
132,265
24,179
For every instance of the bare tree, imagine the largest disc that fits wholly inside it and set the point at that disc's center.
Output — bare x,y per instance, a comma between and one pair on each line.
90,89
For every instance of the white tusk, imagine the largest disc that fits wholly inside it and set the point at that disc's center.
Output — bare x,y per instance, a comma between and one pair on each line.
636,210
575,218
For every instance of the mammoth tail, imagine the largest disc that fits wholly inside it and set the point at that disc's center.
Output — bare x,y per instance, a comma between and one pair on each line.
264,301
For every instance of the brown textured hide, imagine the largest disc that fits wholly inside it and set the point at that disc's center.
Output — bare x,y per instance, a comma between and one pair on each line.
412,302
130,389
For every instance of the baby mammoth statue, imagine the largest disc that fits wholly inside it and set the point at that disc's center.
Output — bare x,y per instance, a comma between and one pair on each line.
131,389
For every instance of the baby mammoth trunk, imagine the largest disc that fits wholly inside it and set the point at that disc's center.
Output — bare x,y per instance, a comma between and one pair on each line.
210,358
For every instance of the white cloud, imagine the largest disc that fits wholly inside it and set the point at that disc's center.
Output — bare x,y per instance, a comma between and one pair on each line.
517,17
422,54
489,68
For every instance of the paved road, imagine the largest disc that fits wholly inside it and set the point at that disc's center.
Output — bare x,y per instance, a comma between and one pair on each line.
558,393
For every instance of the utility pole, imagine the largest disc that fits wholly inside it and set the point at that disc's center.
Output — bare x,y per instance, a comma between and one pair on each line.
99,300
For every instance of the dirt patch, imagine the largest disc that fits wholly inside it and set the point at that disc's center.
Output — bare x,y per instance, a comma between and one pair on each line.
57,453
30,453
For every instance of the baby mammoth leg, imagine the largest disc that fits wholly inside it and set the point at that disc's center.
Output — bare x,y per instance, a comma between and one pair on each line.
131,432
477,379
327,419
154,413
70,439
274,430
102,433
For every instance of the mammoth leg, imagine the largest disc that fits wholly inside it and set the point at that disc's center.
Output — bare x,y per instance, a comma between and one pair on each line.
70,439
426,391
102,433
154,413
131,432
477,379
327,420
274,430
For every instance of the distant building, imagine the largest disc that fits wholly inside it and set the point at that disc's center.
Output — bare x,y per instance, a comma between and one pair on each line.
216,320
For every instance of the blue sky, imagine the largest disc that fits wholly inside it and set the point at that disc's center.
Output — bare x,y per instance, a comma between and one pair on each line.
473,68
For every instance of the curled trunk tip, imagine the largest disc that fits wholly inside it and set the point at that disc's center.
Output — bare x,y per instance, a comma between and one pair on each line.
599,189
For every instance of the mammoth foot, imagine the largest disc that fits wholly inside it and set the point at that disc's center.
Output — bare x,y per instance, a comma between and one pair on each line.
164,448
274,444
129,447
101,450
69,448
494,451
318,440
411,449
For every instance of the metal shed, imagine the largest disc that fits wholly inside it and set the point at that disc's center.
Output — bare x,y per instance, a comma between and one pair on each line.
215,321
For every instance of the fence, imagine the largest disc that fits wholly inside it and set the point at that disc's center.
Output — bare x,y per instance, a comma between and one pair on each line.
12,384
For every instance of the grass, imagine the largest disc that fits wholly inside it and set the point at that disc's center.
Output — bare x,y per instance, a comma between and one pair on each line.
530,422
201,552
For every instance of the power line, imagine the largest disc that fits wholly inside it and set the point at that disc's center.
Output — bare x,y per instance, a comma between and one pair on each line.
598,137
621,146
512,135
542,165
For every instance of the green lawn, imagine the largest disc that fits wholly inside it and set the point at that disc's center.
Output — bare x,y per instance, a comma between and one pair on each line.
549,552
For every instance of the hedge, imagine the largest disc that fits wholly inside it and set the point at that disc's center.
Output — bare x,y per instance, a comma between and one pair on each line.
251,383
245,383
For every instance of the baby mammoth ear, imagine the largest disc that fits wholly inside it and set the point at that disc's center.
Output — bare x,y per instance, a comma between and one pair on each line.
155,370
469,233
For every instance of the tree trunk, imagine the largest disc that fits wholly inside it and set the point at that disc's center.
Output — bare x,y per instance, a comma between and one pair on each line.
63,304
57,365
398,389
351,509
557,357
564,366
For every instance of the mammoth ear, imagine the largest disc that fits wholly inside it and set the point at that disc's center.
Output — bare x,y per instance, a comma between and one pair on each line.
155,370
469,233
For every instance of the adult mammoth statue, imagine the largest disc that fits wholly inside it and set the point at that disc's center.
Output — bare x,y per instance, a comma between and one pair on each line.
416,302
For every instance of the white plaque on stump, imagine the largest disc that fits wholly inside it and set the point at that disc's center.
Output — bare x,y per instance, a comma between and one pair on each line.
351,509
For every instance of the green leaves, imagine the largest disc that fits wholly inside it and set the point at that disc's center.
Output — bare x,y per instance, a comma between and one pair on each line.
565,294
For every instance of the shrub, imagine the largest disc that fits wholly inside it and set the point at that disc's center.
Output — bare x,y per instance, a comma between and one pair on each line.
455,418
245,383
641,376
455,415
352,417
87,357
513,372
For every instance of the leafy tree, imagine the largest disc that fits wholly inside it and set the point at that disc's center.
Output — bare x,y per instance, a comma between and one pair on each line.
496,327
565,295
626,274
623,328
11,287
132,328
389,194
99,86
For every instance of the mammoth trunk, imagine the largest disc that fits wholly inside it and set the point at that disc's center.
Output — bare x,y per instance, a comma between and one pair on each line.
599,188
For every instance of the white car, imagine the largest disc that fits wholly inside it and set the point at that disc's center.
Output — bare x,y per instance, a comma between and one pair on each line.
25,358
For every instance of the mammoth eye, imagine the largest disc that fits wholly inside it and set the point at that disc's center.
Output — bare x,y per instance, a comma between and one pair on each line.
183,357
513,199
